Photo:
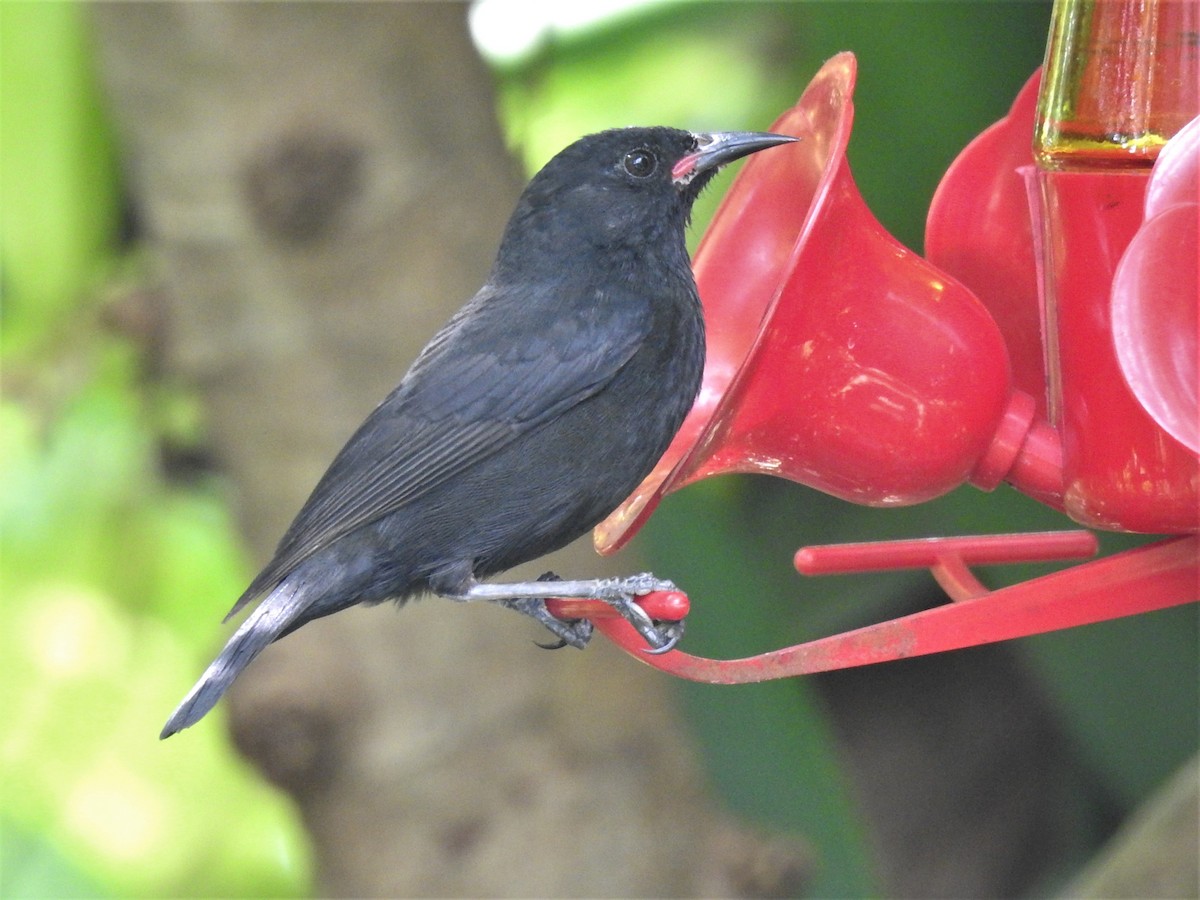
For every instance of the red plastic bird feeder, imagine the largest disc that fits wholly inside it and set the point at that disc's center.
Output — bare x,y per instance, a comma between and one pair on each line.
1049,340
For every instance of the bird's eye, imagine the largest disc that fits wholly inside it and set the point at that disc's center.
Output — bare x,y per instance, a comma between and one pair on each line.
641,163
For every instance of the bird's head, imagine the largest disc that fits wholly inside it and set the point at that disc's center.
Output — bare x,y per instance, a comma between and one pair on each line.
626,185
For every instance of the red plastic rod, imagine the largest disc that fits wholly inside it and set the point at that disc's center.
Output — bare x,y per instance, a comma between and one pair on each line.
925,553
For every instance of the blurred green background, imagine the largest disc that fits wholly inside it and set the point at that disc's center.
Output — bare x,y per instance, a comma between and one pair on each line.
99,545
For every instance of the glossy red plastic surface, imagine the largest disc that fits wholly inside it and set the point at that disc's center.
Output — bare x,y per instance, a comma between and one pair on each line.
948,558
802,289
1153,577
1156,294
1175,177
1025,452
923,553
836,358
979,230
1121,470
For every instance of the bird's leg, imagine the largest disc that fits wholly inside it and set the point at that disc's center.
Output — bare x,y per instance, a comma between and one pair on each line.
529,597
606,589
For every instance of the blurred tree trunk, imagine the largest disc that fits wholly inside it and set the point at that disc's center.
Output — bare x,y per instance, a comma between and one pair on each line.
1154,853
322,185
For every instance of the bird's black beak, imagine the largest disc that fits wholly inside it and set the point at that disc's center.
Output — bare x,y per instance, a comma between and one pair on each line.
715,149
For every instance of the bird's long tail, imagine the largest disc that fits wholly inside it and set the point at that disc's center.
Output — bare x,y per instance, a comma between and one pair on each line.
276,614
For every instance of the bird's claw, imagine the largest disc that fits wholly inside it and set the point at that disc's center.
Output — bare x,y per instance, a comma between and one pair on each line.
673,634
661,638
570,632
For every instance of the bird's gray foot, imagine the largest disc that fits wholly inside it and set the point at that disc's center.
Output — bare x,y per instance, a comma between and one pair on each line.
570,632
619,593
622,593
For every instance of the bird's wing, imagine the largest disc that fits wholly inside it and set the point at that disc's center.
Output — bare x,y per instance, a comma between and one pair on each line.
497,370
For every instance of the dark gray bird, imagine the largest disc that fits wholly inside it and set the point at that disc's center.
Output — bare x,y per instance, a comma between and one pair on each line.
526,420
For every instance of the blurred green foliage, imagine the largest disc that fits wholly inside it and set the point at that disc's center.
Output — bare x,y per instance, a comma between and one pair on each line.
110,572
98,549
57,168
